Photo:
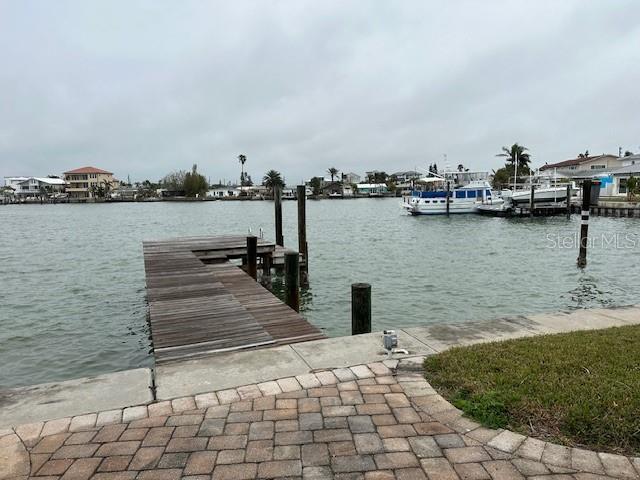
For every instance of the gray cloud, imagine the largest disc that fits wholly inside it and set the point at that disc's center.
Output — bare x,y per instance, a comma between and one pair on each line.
143,88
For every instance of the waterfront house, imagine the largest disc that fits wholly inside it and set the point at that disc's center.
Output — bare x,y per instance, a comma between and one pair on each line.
371,189
124,193
223,192
351,177
81,182
611,173
614,182
24,187
13,182
406,177
337,189
577,167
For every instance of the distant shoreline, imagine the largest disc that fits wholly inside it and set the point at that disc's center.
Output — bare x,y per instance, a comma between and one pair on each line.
188,200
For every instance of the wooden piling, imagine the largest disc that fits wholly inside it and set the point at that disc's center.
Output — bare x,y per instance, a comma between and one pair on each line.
584,223
252,256
292,280
277,200
302,234
532,200
448,195
360,308
568,201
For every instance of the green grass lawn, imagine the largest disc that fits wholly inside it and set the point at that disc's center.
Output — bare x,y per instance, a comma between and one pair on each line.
578,389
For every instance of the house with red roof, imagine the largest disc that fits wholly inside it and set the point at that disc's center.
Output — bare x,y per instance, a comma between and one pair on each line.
89,182
590,163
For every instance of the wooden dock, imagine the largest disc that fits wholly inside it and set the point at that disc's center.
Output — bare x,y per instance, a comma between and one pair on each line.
201,303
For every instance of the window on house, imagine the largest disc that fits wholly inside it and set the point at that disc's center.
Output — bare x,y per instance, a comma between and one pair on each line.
598,167
622,186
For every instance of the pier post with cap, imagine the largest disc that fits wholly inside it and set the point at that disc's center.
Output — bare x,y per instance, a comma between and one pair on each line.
252,256
360,308
532,200
292,279
303,247
568,201
584,223
277,200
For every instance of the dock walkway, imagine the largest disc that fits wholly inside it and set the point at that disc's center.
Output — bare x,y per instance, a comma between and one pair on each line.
201,303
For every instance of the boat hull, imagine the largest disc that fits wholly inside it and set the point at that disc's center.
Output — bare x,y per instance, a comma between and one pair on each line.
421,209
546,195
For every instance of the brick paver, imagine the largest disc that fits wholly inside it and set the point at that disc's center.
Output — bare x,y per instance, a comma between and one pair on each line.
361,422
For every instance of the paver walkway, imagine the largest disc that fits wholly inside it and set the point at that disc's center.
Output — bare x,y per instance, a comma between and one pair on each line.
364,422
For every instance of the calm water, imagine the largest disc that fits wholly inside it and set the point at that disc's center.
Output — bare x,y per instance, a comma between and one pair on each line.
72,301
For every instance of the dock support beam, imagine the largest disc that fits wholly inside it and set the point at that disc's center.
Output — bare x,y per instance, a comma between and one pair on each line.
303,248
252,256
568,201
532,200
584,223
292,280
360,308
448,196
277,200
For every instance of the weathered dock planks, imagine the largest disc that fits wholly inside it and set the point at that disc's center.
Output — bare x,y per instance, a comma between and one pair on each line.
200,303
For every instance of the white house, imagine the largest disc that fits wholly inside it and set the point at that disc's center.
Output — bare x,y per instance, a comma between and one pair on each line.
615,184
405,177
12,182
223,192
35,186
371,189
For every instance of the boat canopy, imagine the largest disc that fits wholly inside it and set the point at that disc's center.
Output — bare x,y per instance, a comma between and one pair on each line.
430,180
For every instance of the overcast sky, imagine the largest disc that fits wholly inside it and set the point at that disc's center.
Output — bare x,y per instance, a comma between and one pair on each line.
144,88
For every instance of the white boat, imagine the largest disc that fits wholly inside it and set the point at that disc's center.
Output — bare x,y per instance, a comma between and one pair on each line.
552,194
432,199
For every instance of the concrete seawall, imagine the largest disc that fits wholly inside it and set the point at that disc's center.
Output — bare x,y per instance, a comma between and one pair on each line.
117,391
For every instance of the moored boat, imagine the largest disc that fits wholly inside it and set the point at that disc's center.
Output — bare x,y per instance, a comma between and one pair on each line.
433,197
542,194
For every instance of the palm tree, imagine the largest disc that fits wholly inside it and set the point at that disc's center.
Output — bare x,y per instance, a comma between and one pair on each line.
272,179
516,153
242,159
333,171
107,185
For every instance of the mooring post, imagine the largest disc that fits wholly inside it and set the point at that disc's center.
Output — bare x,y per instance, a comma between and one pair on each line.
584,223
448,195
303,248
267,263
252,256
360,308
277,200
569,201
531,200
292,280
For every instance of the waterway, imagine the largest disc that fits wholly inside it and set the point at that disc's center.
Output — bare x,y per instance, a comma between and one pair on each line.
72,295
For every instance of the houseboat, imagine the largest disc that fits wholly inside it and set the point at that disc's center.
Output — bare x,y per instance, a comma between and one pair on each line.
468,190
